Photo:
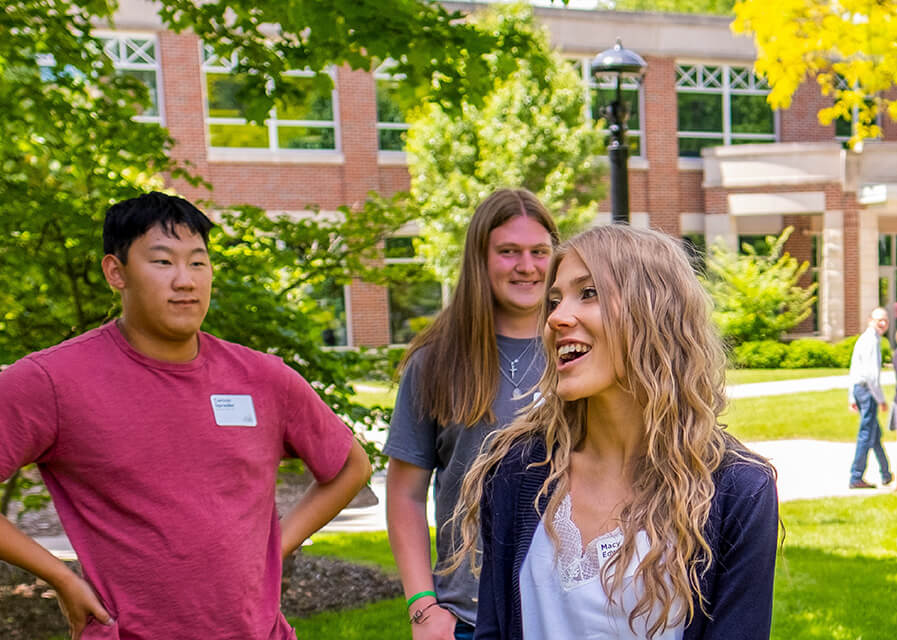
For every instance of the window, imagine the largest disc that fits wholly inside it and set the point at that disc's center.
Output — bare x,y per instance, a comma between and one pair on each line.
721,105
305,122
132,55
330,312
391,125
413,305
603,91
844,126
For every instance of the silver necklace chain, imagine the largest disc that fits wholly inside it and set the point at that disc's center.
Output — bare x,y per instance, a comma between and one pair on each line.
512,366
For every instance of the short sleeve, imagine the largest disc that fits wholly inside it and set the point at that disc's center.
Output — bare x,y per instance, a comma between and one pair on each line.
412,432
312,432
28,416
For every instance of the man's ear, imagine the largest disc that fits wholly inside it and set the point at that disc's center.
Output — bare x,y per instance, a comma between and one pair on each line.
114,271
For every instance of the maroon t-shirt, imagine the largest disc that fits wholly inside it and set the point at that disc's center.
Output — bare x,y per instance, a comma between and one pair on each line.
163,475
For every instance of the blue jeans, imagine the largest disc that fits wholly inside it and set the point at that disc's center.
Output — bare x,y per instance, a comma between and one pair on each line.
869,436
463,631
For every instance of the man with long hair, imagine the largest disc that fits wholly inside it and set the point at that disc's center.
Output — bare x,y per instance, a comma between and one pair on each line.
462,378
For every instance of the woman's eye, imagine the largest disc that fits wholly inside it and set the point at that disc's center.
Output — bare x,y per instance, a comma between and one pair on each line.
589,292
553,304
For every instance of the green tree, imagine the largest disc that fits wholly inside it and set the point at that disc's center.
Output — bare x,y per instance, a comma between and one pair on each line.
847,46
718,7
757,294
530,131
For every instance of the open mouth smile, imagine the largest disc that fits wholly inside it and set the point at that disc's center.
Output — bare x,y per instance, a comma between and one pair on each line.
572,351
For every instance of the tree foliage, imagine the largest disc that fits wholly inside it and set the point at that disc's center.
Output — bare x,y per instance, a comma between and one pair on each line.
847,45
530,131
443,57
718,7
757,294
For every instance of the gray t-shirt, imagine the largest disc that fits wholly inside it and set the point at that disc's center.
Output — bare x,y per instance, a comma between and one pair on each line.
414,437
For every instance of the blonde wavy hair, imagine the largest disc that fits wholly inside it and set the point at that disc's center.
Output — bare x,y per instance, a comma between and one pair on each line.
658,325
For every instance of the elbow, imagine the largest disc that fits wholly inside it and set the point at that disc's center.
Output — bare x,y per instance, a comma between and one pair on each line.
360,465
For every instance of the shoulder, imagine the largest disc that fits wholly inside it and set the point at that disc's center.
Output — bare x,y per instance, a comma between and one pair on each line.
79,350
224,352
745,477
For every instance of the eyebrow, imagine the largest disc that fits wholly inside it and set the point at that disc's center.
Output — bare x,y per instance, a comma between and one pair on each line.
167,249
575,282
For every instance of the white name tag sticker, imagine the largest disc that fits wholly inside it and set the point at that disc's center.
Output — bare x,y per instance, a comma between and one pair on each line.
233,410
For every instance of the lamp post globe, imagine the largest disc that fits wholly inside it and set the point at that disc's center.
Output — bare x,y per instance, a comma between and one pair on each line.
618,61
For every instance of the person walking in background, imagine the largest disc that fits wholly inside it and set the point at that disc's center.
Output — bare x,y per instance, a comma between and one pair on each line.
618,506
866,396
462,378
160,444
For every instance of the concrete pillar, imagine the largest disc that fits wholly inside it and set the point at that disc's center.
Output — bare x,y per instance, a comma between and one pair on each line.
831,277
721,227
868,275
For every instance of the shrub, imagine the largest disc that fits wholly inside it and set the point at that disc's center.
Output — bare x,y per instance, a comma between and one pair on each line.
761,354
807,353
843,349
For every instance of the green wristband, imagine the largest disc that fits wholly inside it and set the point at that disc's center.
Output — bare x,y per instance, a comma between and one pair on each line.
418,596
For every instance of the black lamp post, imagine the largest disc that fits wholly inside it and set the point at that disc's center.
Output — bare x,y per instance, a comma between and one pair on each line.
618,61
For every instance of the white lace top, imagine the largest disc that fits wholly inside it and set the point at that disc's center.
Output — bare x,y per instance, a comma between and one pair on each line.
565,599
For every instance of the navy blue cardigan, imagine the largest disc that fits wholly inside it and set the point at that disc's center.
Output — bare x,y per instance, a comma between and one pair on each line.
742,531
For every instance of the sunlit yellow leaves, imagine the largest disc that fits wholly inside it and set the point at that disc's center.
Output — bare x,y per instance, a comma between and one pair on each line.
849,46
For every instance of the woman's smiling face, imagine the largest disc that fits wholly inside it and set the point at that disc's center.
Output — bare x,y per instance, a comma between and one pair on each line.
576,330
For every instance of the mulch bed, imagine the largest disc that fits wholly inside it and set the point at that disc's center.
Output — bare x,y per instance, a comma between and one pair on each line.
28,608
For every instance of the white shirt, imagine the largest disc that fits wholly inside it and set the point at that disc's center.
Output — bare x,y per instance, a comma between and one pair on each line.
562,596
865,365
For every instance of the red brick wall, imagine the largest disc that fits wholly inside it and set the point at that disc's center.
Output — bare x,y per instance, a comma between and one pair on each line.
800,123
837,199
661,145
800,246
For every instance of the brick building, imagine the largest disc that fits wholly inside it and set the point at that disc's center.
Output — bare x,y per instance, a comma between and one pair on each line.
711,162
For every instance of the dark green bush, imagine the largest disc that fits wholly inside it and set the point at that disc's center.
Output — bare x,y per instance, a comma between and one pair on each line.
842,350
760,354
808,353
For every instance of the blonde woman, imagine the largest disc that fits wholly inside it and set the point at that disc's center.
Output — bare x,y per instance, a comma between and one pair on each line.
618,507
467,375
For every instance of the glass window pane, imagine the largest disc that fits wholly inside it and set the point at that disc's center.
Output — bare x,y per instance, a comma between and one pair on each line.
222,89
603,97
815,251
148,78
751,114
400,247
691,147
391,139
884,249
413,305
305,138
700,111
238,135
331,312
883,292
305,101
389,105
844,127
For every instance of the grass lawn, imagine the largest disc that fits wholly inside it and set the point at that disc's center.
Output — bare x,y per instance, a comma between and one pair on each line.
835,579
817,415
372,393
747,376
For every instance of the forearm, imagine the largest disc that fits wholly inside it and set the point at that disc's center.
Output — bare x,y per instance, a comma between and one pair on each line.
18,549
409,538
323,501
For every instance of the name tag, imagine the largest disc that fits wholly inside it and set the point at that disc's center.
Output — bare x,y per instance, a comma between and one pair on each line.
233,410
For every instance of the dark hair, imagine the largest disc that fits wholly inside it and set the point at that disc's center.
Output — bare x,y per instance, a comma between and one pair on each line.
129,219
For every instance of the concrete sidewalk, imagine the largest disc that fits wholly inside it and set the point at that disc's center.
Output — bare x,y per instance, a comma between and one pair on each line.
782,387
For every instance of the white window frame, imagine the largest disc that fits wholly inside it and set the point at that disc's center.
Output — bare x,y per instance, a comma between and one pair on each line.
128,52
382,73
841,85
729,80
211,63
